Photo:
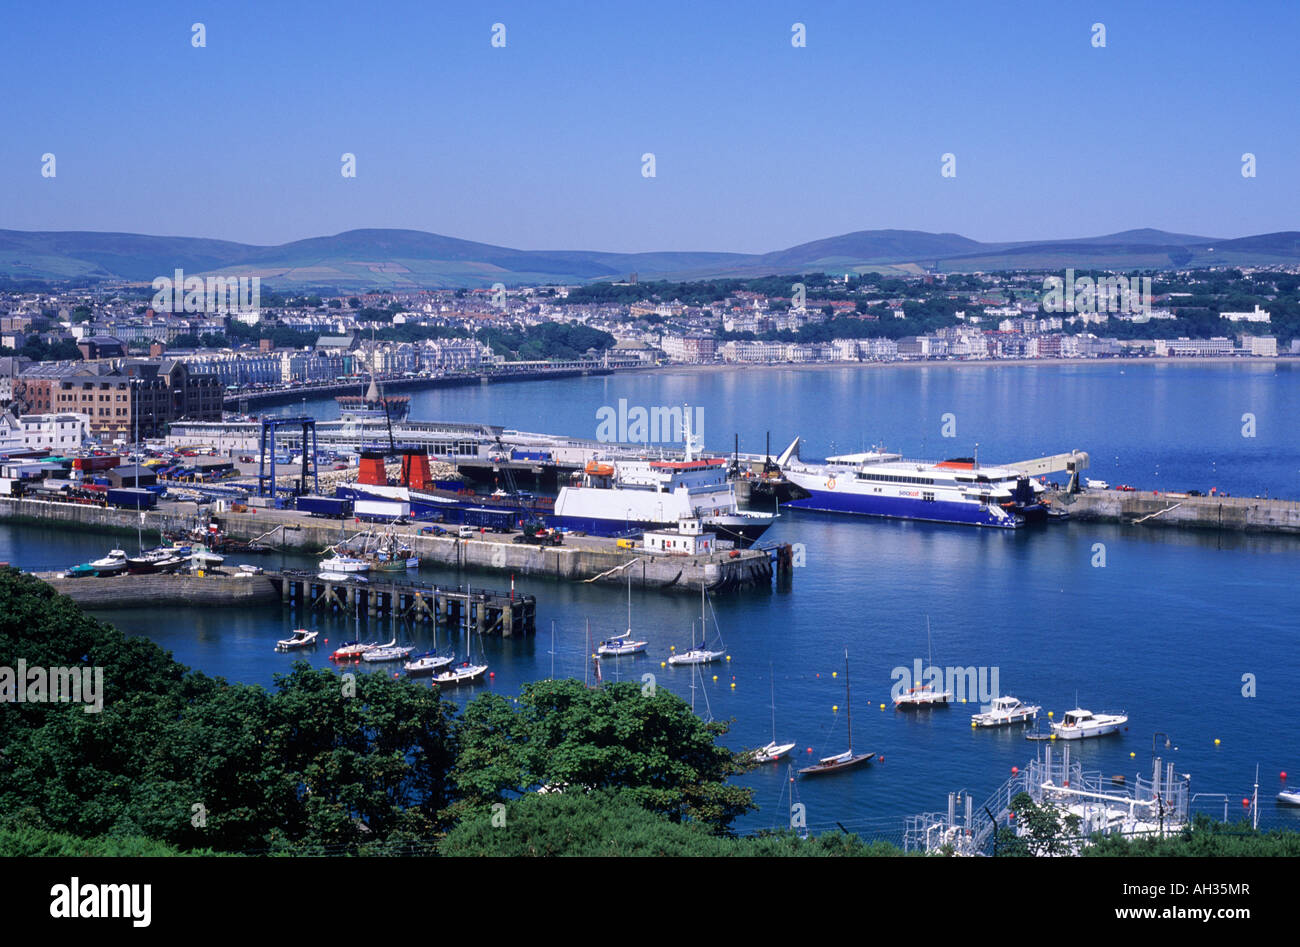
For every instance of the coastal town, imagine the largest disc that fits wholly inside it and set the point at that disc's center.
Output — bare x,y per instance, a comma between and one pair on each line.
104,358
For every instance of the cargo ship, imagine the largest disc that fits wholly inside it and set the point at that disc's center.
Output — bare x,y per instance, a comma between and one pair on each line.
880,483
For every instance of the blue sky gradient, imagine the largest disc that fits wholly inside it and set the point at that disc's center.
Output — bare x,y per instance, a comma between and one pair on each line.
758,145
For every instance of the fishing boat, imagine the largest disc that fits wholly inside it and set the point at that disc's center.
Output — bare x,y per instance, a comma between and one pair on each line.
353,650
387,653
428,662
624,643
301,638
461,675
1004,711
773,751
847,759
702,654
1080,723
923,695
391,555
112,564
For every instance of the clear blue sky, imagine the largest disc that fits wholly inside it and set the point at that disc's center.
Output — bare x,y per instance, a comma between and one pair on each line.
759,145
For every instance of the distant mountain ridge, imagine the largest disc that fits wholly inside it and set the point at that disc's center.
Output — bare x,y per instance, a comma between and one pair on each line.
412,259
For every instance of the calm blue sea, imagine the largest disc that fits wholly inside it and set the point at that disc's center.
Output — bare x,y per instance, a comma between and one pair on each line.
1165,631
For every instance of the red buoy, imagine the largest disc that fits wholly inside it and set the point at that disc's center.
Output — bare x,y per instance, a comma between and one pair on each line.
1284,774
1245,803
1015,770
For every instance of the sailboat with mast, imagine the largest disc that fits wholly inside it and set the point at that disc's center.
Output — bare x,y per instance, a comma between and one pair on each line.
624,643
847,759
923,695
467,671
773,751
702,654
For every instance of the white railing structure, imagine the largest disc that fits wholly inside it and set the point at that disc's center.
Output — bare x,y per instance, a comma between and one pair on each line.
1155,805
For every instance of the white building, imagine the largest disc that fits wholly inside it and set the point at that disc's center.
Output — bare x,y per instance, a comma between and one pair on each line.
1258,315
56,433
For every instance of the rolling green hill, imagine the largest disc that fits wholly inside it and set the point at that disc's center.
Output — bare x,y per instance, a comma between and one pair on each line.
412,259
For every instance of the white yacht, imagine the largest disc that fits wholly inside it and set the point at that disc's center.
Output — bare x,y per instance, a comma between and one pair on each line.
1080,723
1004,711
344,564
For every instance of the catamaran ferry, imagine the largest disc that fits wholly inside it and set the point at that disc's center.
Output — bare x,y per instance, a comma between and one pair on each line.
879,483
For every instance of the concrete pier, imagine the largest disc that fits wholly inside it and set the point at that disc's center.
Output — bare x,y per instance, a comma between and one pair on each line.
139,591
1156,509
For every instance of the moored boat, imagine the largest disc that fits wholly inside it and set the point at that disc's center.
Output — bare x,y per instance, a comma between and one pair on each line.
301,638
847,759
344,564
428,662
461,675
387,653
1004,711
1080,723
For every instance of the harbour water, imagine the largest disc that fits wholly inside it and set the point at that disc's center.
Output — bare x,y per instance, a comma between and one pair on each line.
1167,629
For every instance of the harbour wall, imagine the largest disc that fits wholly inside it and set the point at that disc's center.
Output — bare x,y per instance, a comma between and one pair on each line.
1149,508
135,591
586,558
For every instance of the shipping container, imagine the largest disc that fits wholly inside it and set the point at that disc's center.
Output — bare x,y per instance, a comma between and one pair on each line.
386,510
132,498
337,507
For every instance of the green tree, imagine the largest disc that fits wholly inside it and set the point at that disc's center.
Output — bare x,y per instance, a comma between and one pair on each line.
563,734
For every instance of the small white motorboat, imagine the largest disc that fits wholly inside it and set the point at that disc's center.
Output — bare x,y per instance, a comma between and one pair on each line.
301,638
112,564
1004,711
428,662
460,675
1288,797
344,564
249,569
203,558
621,644
1080,723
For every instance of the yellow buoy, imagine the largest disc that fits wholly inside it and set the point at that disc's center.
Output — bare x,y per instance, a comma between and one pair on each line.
1049,713
835,673
882,706
663,664
1216,741
733,685
835,708
972,724
1053,736
728,657
715,677
1131,755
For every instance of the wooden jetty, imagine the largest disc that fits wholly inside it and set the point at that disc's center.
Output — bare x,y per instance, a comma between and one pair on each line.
487,611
